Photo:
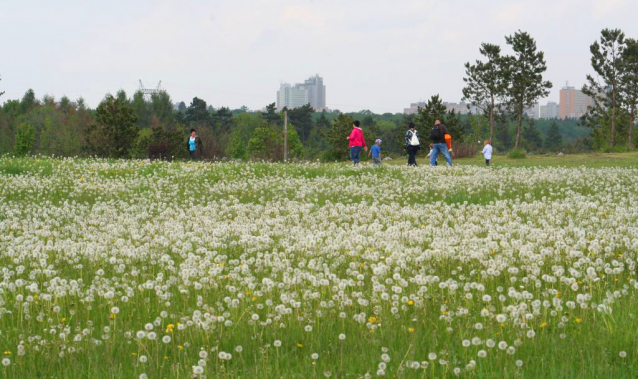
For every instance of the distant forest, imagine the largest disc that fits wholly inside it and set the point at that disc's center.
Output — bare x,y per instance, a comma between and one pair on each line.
142,127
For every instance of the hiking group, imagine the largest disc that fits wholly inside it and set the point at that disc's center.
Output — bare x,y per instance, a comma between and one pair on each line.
441,143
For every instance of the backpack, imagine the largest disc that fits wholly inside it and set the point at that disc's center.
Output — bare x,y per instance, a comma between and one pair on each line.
435,134
414,141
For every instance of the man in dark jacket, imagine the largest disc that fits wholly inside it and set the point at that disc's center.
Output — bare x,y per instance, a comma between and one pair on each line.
437,135
194,145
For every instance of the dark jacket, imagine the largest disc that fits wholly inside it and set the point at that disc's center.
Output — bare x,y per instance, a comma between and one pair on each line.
443,132
198,144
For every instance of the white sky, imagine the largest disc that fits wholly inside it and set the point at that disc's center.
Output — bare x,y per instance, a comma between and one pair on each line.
373,54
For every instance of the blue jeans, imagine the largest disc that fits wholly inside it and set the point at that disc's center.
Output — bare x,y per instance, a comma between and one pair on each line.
440,148
355,152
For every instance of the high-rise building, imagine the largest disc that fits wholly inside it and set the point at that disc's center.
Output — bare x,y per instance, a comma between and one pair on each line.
459,108
312,92
316,92
573,103
533,112
549,111
291,96
414,107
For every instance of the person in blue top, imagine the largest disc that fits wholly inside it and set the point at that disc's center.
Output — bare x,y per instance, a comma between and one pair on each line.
194,145
375,152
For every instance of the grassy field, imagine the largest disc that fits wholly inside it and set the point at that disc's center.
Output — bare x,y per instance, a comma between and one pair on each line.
571,160
137,269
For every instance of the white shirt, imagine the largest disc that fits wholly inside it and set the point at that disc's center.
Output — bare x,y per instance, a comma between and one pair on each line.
487,151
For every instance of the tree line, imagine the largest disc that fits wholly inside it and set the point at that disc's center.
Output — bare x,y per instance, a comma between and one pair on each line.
501,86
506,85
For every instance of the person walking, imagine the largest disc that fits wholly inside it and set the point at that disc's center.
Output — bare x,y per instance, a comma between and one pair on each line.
412,144
375,152
439,145
487,152
194,145
356,143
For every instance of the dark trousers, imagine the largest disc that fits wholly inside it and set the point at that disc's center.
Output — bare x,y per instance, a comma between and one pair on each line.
412,150
192,154
487,162
355,152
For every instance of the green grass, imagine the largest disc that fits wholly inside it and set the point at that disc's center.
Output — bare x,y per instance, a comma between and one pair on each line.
212,243
569,160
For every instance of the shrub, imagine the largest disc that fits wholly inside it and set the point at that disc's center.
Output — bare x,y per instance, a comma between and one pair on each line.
464,150
25,138
517,154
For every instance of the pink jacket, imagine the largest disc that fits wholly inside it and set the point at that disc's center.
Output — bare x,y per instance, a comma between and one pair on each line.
356,137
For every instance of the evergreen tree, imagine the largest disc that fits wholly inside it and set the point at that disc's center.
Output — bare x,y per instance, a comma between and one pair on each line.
531,136
486,83
28,102
121,96
114,131
65,105
301,118
322,122
197,114
524,72
435,110
271,115
629,85
503,136
554,140
336,136
607,62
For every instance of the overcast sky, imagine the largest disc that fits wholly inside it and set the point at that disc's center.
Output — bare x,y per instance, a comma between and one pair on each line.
373,54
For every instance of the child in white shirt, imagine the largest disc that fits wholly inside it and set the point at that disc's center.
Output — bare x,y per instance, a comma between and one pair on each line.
487,152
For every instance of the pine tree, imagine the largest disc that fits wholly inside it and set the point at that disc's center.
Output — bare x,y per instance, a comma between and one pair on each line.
435,110
531,136
525,75
114,132
486,83
554,140
336,136
629,85
607,62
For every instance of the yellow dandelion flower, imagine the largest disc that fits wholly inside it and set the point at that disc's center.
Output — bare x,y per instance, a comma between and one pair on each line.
180,347
372,319
299,345
411,330
410,302
543,324
578,320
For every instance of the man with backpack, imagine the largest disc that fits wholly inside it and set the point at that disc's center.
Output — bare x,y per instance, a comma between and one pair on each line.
439,145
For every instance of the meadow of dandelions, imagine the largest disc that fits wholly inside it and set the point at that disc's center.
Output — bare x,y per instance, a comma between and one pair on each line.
198,270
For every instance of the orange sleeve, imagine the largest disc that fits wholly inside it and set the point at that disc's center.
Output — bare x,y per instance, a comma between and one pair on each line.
448,141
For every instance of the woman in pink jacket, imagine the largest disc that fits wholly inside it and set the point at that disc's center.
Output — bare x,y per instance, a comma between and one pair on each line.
356,143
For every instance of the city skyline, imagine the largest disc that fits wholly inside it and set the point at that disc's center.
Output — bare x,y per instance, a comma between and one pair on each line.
376,54
312,91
